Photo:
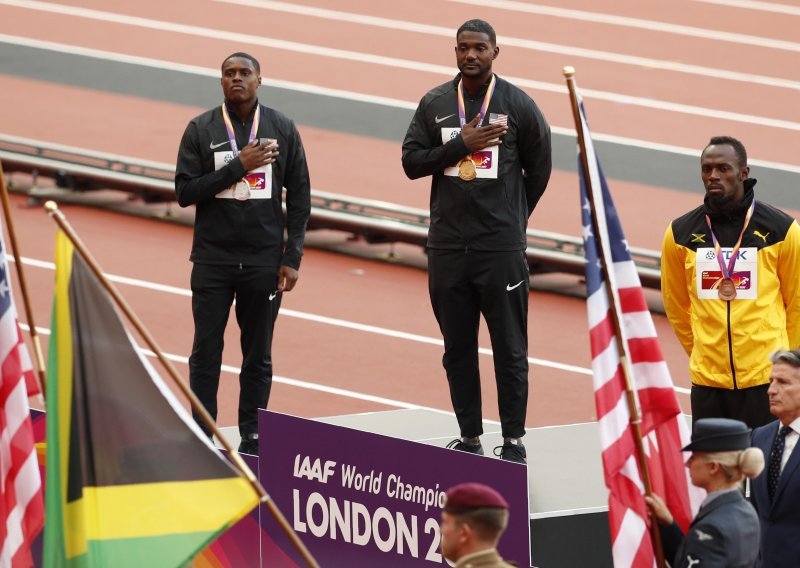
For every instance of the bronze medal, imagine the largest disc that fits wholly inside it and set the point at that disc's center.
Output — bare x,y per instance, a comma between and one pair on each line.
727,290
466,169
242,191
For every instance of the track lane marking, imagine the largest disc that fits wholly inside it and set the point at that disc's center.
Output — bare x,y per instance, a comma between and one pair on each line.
755,5
547,47
375,330
396,63
636,23
307,385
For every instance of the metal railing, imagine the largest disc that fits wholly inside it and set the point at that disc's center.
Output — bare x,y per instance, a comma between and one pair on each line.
375,221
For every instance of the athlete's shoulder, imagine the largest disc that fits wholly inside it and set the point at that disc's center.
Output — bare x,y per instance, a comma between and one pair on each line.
274,115
509,90
207,117
770,216
444,90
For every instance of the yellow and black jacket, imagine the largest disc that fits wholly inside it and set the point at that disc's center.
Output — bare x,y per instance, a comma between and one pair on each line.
729,342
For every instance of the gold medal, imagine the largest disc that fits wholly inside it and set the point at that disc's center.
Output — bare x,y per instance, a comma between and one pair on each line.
727,290
466,169
242,191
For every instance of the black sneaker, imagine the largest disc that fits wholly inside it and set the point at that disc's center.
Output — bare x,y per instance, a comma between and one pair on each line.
513,452
457,444
249,445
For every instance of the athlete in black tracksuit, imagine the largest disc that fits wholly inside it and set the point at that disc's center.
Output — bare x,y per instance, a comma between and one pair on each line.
477,238
238,248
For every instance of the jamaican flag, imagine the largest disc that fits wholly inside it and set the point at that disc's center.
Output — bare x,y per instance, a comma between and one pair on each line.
131,480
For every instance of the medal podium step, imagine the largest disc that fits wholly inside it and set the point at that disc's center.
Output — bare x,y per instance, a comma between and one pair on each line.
567,494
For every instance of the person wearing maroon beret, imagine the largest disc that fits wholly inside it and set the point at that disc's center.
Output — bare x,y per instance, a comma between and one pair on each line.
473,519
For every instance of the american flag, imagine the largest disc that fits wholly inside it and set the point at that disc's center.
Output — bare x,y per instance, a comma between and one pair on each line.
498,118
21,506
663,427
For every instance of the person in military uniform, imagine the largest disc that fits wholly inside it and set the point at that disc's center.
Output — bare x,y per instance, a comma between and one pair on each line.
473,519
725,532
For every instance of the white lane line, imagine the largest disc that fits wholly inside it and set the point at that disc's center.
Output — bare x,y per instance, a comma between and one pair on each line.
754,5
307,385
323,320
375,330
636,23
395,63
341,94
593,54
200,71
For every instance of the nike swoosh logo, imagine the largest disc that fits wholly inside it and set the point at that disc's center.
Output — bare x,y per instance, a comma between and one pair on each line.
215,146
272,296
438,120
509,287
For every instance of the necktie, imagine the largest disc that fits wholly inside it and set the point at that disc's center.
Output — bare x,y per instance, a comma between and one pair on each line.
775,456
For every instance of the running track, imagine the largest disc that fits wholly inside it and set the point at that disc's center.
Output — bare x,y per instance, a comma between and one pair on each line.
357,335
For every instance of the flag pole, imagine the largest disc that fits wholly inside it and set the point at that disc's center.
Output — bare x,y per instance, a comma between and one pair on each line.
12,237
630,388
52,209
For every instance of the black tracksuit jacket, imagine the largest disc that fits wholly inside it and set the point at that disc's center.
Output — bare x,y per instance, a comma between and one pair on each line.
248,233
482,214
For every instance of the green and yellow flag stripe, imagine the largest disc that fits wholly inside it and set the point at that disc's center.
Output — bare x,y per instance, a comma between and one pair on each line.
131,480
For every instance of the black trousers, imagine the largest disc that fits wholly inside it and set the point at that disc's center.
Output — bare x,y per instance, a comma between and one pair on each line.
462,286
751,406
257,303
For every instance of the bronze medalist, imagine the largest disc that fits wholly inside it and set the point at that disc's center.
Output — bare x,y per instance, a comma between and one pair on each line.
727,290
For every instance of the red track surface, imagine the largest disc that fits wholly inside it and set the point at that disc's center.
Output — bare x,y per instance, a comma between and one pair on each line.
374,293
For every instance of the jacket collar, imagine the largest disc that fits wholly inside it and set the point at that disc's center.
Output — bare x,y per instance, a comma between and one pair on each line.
726,498
476,559
737,212
482,90
235,117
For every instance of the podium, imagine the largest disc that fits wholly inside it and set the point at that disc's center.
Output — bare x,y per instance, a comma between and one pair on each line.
567,497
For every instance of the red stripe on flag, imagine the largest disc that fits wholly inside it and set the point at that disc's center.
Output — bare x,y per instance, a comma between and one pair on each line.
619,503
616,454
632,300
658,406
600,336
16,442
644,350
607,396
31,382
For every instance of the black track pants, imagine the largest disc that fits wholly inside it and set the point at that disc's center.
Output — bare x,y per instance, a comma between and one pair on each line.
751,406
213,291
462,286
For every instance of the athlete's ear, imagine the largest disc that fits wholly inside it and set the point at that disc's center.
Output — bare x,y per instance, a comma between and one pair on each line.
496,52
259,79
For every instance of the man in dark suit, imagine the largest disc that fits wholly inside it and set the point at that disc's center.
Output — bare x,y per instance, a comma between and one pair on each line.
776,492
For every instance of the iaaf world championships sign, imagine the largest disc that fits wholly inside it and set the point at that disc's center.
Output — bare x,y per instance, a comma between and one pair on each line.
362,499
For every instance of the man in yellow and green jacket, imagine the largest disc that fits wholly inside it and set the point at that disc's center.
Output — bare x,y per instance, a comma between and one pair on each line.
730,280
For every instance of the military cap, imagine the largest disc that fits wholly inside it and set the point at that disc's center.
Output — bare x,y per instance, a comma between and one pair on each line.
718,435
469,496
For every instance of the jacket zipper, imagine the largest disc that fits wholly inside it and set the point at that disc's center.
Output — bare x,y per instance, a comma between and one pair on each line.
730,348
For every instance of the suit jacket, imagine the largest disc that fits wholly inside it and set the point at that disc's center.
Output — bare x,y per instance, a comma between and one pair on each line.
724,534
780,520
